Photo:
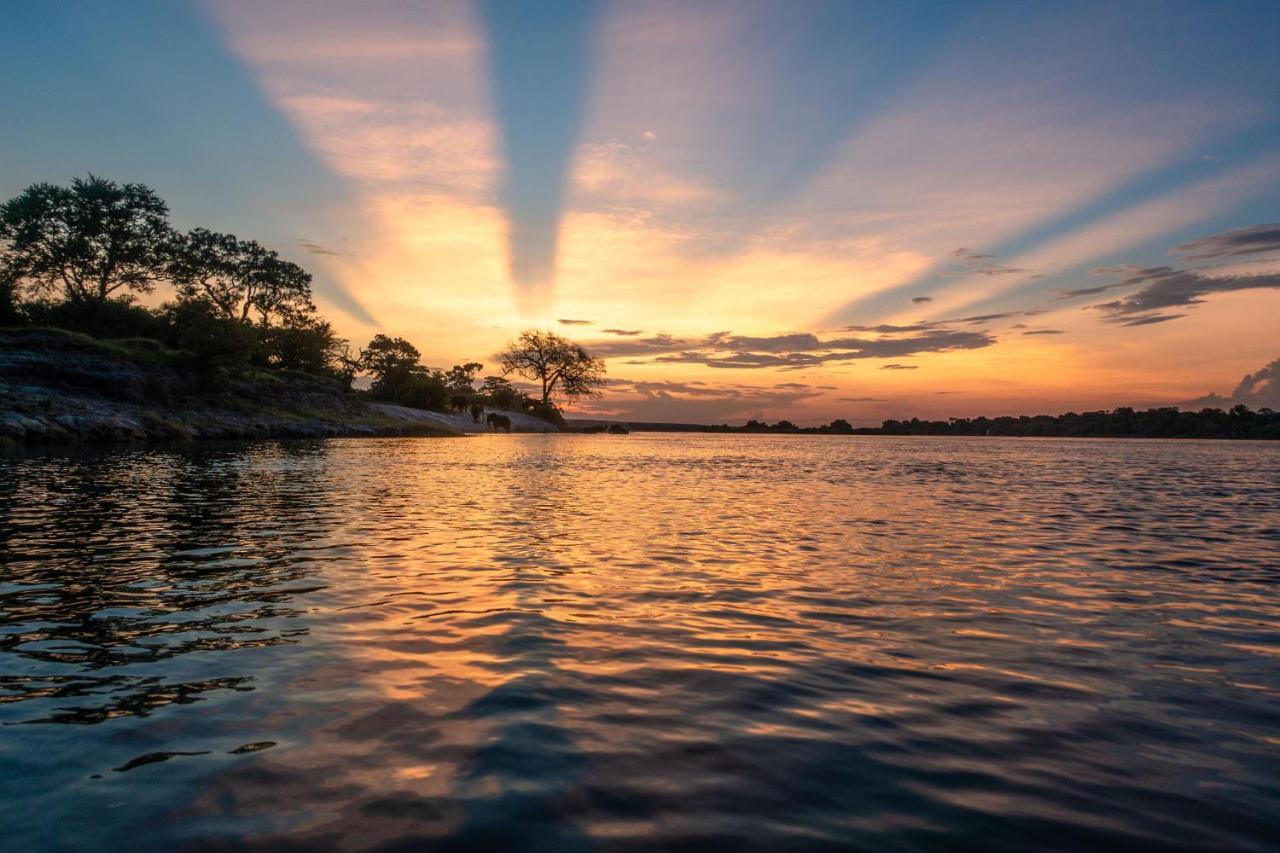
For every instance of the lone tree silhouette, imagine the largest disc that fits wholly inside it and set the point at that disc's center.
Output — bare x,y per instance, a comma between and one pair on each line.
88,240
556,363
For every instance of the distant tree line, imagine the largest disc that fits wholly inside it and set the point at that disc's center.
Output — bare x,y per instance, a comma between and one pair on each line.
1166,422
78,257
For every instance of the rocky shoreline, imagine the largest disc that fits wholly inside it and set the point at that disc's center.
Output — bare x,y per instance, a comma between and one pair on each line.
59,387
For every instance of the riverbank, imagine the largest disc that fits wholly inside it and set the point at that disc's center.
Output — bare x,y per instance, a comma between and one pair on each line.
59,387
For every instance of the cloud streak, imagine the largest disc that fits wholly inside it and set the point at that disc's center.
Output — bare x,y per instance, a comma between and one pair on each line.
1254,240
791,351
1162,288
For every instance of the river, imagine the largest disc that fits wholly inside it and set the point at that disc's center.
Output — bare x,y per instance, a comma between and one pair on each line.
671,641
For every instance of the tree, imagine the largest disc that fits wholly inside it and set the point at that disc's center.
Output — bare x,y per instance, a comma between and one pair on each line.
87,241
393,364
239,277
348,361
310,346
461,377
217,342
556,363
8,301
501,394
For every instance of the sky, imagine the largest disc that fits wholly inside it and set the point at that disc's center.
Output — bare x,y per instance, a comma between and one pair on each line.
801,210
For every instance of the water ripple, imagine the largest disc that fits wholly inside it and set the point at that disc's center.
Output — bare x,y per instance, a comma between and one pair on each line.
598,643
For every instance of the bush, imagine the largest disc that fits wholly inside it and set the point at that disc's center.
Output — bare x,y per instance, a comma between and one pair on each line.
112,318
424,391
215,341
9,315
547,412
309,347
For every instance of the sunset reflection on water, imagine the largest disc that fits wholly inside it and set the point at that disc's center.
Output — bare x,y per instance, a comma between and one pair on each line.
651,640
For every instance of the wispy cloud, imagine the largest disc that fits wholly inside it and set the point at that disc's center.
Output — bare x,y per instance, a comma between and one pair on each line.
1256,239
1162,288
804,349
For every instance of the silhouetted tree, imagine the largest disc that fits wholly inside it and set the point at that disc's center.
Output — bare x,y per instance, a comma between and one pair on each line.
240,277
309,345
86,242
501,393
8,301
461,377
554,362
393,363
1162,422
200,328
348,361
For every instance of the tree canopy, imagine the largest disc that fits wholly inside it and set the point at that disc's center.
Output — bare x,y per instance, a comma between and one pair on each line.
557,364
392,362
239,277
87,241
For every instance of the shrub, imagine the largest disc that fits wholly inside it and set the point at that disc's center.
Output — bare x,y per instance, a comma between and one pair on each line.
9,315
215,341
424,391
111,318
309,347
547,412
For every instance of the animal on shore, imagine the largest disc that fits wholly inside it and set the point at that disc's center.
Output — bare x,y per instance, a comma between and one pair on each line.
477,412
497,422
459,402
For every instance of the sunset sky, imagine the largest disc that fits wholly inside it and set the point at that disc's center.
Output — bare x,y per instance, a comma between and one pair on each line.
799,210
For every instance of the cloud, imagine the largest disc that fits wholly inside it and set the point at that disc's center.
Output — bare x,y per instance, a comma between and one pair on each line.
890,329
655,345
987,318
1260,389
977,262
1086,291
565,322
694,401
1242,241
933,325
996,269
316,248
623,332
1044,332
861,400
791,351
1165,287
900,367
920,300
1151,319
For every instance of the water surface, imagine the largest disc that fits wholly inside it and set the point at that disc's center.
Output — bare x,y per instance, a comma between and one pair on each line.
615,643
